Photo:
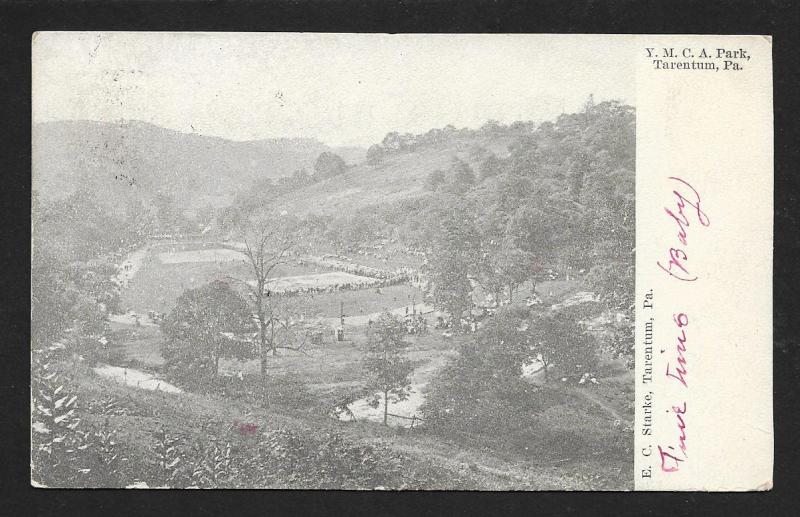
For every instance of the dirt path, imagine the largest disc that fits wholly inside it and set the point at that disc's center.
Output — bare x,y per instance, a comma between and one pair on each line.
595,399
130,318
135,378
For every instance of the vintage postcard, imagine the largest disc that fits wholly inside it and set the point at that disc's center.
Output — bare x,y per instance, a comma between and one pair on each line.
401,262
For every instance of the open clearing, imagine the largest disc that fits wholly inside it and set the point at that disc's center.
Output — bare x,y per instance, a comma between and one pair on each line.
130,266
157,285
336,279
204,255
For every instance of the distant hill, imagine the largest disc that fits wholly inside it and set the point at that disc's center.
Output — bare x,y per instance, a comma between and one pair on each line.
138,159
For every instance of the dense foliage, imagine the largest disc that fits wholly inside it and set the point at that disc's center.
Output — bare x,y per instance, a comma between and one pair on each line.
206,324
482,397
328,165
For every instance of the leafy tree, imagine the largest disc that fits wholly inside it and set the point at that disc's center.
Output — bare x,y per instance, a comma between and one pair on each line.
168,214
435,179
140,220
490,165
504,344
52,297
614,284
506,267
462,176
491,127
375,155
537,230
91,331
70,297
453,252
347,232
385,362
561,341
520,127
328,165
96,280
393,141
513,191
579,168
196,328
481,390
478,153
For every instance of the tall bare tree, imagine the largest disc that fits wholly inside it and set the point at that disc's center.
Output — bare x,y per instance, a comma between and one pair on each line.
266,248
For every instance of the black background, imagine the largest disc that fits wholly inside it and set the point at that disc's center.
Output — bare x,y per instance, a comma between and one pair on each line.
18,20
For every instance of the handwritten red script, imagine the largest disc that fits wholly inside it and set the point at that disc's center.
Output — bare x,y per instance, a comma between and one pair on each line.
672,457
679,372
686,199
683,214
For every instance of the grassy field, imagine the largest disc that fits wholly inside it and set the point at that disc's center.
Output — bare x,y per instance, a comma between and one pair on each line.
139,346
157,286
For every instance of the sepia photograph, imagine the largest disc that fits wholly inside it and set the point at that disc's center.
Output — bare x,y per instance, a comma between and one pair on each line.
332,261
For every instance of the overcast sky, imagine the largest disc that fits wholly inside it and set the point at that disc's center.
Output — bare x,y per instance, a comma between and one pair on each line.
341,89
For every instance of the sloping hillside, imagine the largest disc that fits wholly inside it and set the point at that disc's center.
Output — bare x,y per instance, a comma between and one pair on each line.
399,176
138,159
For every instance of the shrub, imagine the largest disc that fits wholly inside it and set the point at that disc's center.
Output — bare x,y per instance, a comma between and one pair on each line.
329,165
65,451
435,179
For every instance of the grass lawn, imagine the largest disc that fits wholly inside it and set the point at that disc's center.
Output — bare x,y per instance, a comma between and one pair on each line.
139,346
157,285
